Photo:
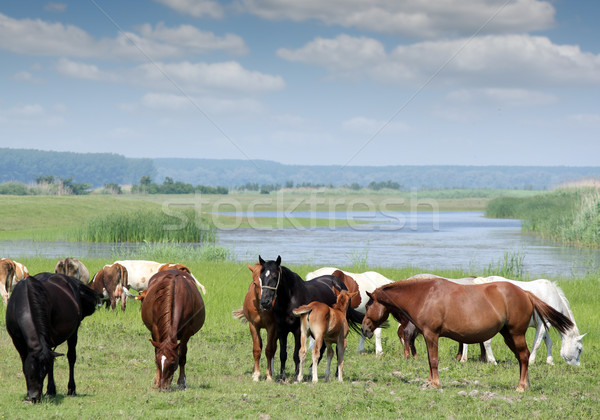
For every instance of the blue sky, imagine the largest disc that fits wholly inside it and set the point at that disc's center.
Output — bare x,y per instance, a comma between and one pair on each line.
348,82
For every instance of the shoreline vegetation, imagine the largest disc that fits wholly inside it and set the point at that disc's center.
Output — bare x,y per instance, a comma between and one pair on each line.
569,216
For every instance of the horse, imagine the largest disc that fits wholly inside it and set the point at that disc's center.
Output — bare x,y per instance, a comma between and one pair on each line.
74,268
109,280
363,283
43,312
547,291
258,319
11,272
467,314
172,309
325,324
282,290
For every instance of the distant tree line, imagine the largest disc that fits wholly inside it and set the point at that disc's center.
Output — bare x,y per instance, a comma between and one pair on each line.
169,186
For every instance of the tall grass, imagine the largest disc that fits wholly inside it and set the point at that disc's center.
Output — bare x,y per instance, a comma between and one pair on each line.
149,226
510,266
178,252
567,215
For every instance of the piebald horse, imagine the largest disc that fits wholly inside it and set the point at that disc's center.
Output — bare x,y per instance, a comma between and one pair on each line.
467,314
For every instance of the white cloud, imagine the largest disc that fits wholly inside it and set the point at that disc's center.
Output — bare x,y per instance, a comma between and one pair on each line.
31,115
38,37
586,119
55,7
165,102
78,70
25,76
492,60
228,75
417,18
500,97
196,8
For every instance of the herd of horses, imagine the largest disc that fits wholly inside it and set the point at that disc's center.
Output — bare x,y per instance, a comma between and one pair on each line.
46,310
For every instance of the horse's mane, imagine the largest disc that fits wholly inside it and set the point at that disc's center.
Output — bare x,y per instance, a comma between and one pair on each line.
566,305
163,305
38,304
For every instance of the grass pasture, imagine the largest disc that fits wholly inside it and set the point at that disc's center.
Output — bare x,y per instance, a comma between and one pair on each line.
115,369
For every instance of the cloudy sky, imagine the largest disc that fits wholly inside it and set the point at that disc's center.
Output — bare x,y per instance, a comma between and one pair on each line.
349,82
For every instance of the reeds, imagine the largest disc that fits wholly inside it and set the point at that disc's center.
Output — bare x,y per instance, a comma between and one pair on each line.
149,226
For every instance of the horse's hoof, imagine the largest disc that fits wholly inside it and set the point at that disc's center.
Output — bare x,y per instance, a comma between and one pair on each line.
72,393
255,377
520,389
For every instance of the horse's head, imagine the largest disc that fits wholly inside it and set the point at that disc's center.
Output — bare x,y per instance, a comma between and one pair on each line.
167,360
343,299
36,367
571,348
375,315
270,276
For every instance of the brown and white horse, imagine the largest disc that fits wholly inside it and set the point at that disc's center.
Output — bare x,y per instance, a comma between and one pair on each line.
258,319
467,314
11,272
327,325
172,309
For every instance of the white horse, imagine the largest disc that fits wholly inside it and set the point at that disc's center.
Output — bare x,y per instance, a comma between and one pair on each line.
549,292
366,282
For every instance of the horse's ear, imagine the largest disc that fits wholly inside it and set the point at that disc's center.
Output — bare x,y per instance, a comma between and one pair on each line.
261,261
581,336
370,295
353,294
250,268
155,343
278,261
336,291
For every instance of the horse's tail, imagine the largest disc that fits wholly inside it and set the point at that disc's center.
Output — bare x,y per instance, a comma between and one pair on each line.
304,309
548,313
239,314
89,299
355,319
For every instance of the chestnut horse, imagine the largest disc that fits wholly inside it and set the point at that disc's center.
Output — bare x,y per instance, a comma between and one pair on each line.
258,319
325,324
172,309
467,314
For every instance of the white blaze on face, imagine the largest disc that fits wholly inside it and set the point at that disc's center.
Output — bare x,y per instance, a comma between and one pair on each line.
162,363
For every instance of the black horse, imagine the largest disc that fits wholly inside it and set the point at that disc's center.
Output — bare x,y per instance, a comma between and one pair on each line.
283,291
43,312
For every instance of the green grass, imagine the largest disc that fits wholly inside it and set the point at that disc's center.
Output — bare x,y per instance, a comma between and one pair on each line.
115,368
570,216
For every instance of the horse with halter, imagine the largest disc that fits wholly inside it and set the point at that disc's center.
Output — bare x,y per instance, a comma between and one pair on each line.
172,309
283,291
467,314
43,312
258,319
327,325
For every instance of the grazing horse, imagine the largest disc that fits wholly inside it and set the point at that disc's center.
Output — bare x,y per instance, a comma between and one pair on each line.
74,268
467,314
172,309
363,283
110,280
547,291
282,290
325,324
43,312
258,319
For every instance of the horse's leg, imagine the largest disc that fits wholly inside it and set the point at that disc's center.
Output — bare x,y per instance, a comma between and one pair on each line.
329,358
303,346
361,344
341,349
72,357
486,349
316,356
51,390
378,347
461,354
297,343
411,341
256,350
548,341
181,381
518,346
431,339
282,353
537,342
270,351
